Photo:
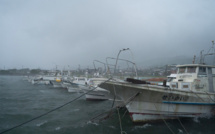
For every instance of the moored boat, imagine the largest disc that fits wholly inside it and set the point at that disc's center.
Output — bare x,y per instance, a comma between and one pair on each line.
79,81
57,82
74,89
190,94
98,93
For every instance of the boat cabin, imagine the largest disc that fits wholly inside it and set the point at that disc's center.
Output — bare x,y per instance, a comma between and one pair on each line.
196,77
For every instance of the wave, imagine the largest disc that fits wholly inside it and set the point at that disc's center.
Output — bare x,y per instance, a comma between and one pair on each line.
42,123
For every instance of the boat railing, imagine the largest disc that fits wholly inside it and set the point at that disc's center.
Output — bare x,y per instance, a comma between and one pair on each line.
127,61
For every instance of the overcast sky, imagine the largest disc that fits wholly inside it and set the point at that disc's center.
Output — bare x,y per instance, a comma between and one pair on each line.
46,33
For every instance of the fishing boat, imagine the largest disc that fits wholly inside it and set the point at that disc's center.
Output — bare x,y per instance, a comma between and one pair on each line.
35,79
57,82
79,81
190,94
98,93
75,89
77,85
66,82
170,78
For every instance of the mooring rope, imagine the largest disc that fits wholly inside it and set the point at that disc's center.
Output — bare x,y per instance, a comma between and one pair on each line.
164,121
209,96
111,109
177,116
180,122
117,107
182,125
114,96
50,111
198,96
125,113
120,123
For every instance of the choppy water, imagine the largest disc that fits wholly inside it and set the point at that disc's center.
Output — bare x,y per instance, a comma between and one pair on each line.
21,101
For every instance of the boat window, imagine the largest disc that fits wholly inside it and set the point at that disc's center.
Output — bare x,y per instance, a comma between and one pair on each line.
202,70
209,70
191,69
174,85
182,70
169,79
213,70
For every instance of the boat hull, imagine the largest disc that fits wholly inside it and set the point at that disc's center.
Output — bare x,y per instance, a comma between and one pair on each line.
97,95
40,82
56,84
151,103
146,111
73,89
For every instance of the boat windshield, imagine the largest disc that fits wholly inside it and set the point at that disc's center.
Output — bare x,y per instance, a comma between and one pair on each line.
191,69
170,79
182,70
202,70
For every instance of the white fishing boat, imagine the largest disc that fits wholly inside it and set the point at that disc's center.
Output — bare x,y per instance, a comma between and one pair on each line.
98,93
53,78
170,78
65,84
57,82
79,81
39,80
75,84
191,94
75,89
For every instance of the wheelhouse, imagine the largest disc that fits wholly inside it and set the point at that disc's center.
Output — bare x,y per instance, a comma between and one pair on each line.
195,77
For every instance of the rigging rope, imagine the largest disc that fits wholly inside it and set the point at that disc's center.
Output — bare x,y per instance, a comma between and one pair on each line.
209,96
49,111
168,110
182,125
198,96
114,96
164,121
177,116
125,113
110,110
120,124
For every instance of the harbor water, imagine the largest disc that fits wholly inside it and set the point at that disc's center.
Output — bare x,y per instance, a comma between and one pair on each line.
25,106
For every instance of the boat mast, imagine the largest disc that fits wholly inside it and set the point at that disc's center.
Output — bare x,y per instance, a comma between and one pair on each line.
101,63
201,57
194,59
210,52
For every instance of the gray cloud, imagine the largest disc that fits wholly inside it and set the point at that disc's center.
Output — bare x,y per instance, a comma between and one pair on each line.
45,33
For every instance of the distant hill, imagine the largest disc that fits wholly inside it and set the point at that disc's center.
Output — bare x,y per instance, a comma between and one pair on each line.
166,61
175,60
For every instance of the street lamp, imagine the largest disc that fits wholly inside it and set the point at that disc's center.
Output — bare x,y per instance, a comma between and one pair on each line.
118,57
